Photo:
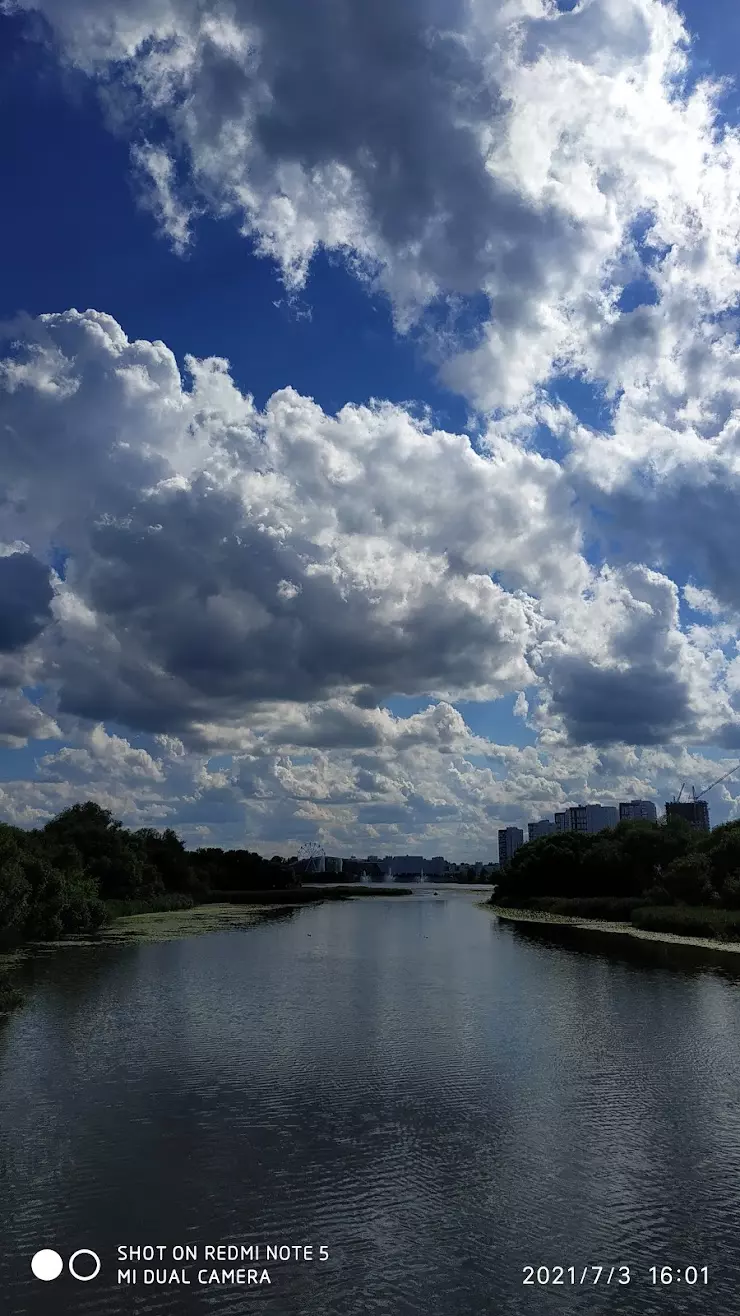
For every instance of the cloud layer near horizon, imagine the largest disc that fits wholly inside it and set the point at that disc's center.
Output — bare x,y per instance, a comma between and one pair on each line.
261,582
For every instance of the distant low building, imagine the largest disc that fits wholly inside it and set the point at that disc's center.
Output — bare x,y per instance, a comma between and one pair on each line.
353,869
633,810
695,812
509,840
333,865
408,865
542,828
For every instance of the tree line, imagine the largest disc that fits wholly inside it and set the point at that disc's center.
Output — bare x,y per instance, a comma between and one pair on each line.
658,863
72,874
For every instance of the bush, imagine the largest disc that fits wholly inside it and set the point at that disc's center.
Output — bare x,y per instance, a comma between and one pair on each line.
612,908
61,903
730,892
172,900
690,921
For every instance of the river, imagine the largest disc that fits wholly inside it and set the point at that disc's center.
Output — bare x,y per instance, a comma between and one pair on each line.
436,1099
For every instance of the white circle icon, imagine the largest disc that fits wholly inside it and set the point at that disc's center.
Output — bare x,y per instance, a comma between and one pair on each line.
47,1264
84,1252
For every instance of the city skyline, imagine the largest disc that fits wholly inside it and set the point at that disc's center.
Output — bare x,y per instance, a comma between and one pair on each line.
593,818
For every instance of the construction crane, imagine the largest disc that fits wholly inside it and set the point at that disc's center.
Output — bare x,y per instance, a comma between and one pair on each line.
707,789
724,777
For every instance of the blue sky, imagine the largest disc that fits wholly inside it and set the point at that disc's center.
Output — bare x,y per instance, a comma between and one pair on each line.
337,344
79,234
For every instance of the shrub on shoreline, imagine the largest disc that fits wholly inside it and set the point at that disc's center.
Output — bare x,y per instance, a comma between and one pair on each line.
690,921
156,905
711,922
612,908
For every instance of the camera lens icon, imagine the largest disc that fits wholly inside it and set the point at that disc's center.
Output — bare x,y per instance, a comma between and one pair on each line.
84,1252
47,1264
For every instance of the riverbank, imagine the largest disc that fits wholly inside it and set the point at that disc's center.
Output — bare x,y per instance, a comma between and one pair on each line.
507,915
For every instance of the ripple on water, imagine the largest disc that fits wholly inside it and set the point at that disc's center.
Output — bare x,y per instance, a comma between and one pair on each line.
438,1101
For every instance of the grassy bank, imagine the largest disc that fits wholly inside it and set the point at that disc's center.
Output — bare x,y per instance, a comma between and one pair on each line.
708,922
612,908
686,921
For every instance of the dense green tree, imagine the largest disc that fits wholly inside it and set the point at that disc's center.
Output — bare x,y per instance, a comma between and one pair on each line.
15,898
688,880
114,857
40,898
722,848
649,847
55,880
166,854
603,868
730,891
61,903
240,870
550,866
642,859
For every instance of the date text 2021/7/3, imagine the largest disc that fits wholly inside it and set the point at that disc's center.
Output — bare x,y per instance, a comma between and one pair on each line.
662,1276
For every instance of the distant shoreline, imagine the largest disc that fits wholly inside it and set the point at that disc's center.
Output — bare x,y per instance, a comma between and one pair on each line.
302,895
615,929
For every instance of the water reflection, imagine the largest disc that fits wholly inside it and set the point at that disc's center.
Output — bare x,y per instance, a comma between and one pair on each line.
439,1098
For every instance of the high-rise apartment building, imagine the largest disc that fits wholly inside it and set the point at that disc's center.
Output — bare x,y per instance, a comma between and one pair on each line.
509,840
589,818
638,809
696,812
542,828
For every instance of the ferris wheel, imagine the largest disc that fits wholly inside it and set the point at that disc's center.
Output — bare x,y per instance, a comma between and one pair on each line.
311,858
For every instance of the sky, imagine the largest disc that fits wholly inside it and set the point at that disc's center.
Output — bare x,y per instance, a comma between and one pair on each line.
370,415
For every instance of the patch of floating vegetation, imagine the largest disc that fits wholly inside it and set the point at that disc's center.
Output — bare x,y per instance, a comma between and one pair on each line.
174,924
171,925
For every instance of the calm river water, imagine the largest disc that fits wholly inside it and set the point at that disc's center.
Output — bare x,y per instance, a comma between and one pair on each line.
438,1099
